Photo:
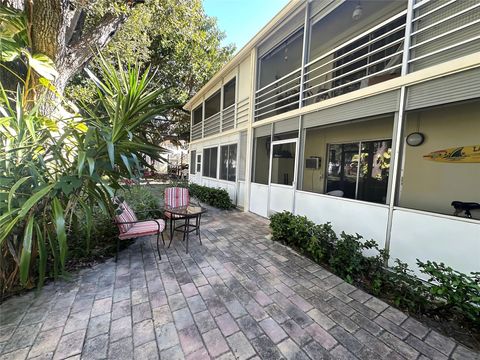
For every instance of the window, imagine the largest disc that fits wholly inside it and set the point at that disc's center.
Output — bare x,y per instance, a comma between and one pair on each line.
212,105
283,163
359,169
229,93
352,159
262,160
445,167
193,157
228,162
199,163
210,162
197,115
282,60
371,59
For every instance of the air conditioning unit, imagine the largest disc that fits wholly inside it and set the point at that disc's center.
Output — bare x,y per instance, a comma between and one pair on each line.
313,162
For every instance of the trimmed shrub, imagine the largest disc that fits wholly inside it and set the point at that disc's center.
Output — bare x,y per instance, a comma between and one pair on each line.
218,198
447,291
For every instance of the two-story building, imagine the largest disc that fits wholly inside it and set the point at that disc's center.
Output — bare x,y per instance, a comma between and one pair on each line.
363,113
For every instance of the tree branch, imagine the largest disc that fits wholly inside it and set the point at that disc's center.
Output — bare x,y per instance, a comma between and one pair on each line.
80,52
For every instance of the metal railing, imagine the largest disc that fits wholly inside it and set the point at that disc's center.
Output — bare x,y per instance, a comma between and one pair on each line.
211,125
243,108
279,96
228,118
197,131
442,31
439,31
369,58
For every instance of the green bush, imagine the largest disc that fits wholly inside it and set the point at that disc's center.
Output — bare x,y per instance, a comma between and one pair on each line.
452,289
447,291
218,198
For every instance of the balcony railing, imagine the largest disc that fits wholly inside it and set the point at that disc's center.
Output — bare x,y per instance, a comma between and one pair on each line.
369,58
197,131
279,96
211,125
228,118
243,109
439,31
443,30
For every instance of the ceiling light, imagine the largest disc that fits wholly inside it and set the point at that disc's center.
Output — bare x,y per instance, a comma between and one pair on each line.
357,12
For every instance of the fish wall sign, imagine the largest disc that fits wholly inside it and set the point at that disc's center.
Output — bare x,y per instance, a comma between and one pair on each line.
462,154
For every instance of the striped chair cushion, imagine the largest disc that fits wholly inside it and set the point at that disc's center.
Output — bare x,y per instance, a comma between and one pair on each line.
143,228
127,215
176,197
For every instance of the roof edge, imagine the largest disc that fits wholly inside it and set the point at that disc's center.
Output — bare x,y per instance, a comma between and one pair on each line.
244,51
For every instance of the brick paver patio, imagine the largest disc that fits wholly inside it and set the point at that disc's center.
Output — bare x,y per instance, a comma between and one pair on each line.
237,296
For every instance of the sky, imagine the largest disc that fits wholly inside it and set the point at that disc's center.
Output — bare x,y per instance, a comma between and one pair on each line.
242,19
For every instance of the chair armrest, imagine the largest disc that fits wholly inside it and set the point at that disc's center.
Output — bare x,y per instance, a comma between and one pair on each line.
127,222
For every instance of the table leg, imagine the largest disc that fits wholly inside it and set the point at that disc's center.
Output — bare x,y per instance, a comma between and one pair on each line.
199,219
187,228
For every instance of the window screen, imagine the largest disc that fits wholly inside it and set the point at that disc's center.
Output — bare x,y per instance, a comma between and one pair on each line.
212,105
228,162
197,115
193,158
229,93
210,162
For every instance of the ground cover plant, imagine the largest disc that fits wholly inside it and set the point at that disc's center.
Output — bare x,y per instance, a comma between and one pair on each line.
448,294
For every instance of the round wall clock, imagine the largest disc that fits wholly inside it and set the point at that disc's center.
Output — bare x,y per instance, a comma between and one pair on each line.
415,139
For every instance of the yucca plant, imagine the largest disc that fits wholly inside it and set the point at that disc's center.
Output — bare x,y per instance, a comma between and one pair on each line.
54,171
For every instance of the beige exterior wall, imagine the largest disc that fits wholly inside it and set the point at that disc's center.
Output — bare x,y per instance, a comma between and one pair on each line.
432,186
317,139
245,78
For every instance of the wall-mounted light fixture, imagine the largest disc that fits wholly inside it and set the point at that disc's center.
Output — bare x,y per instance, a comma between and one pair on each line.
415,139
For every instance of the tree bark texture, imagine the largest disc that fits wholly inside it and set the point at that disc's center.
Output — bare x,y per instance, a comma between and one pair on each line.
56,30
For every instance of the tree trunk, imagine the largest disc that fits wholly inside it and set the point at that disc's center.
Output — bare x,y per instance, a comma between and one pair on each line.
56,30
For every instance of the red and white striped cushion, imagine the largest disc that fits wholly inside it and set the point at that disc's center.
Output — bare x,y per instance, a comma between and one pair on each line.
143,228
127,215
176,197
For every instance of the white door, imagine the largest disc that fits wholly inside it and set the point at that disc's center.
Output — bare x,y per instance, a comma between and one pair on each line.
283,175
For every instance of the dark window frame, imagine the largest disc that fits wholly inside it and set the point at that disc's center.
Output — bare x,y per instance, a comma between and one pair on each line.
228,169
195,119
209,167
234,89
364,187
211,99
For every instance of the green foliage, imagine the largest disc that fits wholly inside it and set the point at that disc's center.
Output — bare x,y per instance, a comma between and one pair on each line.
55,171
454,289
447,291
218,198
175,37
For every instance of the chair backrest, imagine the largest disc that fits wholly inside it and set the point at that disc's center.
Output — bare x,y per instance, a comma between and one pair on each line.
125,214
176,197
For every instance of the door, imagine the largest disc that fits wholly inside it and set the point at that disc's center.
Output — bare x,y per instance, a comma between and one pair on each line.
283,175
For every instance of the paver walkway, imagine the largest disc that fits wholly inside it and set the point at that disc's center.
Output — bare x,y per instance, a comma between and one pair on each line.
237,296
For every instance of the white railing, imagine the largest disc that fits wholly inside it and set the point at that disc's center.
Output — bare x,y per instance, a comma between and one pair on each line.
443,31
279,96
371,57
243,108
197,131
228,118
439,31
211,125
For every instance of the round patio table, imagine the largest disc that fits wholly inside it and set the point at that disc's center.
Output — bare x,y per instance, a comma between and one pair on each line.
187,213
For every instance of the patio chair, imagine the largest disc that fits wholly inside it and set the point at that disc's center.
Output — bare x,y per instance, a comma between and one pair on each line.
131,228
175,197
